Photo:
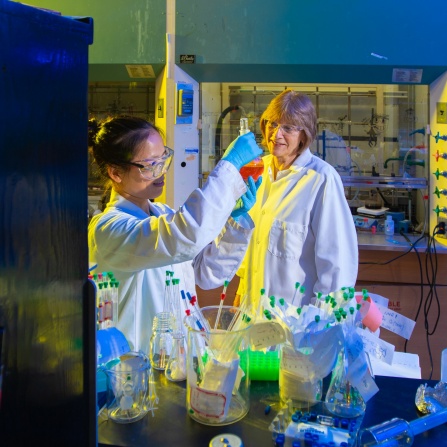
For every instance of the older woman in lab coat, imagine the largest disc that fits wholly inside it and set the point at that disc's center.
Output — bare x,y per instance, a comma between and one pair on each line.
304,228
139,240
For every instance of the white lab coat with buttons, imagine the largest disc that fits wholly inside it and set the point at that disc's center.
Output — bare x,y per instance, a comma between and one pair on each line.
199,243
304,232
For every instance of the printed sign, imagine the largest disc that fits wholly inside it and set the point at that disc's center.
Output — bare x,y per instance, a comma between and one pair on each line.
187,58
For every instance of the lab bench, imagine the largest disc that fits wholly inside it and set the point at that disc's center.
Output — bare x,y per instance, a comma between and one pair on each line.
171,425
368,241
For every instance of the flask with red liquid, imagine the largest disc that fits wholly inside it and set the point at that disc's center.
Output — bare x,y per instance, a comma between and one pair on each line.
256,167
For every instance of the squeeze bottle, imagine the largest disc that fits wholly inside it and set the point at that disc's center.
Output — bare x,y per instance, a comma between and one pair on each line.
389,228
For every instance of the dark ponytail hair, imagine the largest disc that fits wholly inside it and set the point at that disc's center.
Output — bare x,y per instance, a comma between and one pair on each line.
93,128
115,141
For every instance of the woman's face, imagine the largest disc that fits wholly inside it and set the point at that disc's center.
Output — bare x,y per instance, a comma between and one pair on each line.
134,182
284,141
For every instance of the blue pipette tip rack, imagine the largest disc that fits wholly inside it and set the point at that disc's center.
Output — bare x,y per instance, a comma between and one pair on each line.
314,425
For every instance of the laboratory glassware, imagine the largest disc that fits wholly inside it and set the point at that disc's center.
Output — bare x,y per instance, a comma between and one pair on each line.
256,167
398,432
218,390
343,398
295,384
176,365
160,346
128,387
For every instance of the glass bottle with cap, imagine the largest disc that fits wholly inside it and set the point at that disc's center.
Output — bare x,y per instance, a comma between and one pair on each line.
160,346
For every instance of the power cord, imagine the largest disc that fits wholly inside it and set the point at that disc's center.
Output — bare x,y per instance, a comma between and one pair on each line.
421,282
432,298
431,269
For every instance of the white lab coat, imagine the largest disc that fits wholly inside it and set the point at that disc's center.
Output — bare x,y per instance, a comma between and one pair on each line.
139,249
304,233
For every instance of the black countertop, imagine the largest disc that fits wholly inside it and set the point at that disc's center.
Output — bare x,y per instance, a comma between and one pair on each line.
171,425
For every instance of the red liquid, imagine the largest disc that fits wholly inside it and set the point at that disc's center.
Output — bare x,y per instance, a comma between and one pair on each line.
254,169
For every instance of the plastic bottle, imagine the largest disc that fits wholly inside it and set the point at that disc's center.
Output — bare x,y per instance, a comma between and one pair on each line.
444,365
389,228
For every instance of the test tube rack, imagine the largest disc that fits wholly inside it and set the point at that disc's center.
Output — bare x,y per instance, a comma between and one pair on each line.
313,426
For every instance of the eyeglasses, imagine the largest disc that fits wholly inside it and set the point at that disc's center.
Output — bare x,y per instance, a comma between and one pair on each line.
288,129
153,168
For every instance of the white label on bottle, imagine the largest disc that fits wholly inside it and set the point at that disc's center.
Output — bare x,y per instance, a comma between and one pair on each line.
206,403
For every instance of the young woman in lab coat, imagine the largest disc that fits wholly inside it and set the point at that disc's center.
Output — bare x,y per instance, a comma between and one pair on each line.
304,231
139,240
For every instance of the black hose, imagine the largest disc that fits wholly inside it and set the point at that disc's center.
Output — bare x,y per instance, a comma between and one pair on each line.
217,137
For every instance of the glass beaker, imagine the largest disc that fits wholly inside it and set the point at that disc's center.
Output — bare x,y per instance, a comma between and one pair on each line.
160,345
128,387
297,384
218,390
342,398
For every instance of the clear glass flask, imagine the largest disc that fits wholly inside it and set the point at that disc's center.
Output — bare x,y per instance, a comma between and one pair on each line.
342,398
176,366
160,346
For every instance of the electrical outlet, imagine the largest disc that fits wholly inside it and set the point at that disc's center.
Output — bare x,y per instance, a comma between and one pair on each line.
441,231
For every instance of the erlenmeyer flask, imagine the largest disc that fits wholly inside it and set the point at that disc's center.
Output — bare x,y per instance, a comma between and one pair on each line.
176,366
342,398
161,340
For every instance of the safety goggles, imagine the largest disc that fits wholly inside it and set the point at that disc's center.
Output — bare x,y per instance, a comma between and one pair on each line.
288,129
153,168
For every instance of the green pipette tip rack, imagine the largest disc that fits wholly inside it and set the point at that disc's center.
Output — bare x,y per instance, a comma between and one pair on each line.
262,365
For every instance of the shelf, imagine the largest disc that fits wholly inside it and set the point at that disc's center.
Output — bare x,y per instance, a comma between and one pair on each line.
384,182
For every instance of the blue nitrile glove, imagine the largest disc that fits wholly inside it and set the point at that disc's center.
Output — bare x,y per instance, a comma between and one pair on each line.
246,201
242,150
